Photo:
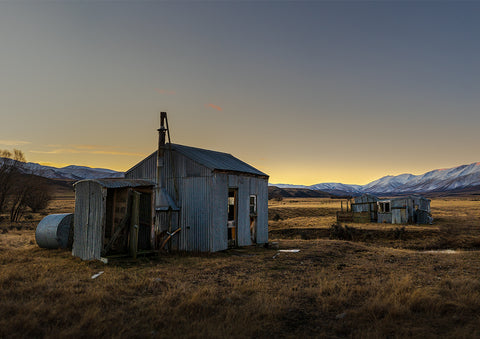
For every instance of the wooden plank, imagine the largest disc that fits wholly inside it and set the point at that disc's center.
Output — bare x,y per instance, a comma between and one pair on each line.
113,211
135,224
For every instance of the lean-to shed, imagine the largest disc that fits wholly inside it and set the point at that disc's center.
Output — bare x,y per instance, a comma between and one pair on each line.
112,216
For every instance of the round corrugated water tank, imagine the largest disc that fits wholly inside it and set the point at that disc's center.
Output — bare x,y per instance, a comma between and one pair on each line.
55,230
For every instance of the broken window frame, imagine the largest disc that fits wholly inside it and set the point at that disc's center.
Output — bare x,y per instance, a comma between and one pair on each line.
253,204
384,206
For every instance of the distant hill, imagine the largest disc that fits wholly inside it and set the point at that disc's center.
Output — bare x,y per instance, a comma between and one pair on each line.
465,178
274,191
71,172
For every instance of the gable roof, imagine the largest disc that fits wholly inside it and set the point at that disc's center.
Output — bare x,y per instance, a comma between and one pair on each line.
213,160
216,160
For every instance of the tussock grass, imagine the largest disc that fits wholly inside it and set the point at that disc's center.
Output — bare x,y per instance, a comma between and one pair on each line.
331,288
456,224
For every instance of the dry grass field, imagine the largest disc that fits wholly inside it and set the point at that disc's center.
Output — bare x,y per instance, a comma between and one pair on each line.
387,282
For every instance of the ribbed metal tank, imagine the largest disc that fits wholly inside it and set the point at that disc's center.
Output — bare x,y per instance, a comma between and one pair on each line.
54,231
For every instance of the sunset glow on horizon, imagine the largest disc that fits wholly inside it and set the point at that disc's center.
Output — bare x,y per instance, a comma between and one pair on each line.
307,92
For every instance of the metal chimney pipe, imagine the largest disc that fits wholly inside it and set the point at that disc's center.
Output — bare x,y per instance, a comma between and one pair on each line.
161,149
162,200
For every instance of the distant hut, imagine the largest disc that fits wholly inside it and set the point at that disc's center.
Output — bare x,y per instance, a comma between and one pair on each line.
399,210
191,199
365,208
404,210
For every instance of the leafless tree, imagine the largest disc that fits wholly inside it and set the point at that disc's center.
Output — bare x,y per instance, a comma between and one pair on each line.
17,197
20,188
10,164
38,197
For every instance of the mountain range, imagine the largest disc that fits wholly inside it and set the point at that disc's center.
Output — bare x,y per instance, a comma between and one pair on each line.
440,180
71,172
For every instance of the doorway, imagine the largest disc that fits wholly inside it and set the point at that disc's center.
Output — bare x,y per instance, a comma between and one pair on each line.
253,218
232,221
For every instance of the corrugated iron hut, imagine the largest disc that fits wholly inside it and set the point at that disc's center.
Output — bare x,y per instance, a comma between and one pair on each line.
401,210
182,197
112,216
209,200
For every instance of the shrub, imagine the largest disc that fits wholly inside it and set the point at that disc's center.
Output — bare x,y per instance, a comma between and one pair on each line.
399,233
337,231
38,199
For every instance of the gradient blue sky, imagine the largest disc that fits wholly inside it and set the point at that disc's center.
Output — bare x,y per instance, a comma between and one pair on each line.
307,92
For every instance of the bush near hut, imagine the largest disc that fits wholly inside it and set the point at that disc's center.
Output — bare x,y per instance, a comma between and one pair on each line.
18,189
337,231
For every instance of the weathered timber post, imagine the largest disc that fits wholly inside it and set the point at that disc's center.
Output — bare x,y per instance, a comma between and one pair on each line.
134,225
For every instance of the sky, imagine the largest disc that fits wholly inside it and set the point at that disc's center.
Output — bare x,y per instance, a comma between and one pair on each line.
305,91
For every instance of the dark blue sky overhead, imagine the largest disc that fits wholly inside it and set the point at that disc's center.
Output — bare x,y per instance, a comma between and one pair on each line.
305,91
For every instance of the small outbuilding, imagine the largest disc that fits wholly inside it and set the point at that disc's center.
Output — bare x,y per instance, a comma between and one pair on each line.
112,216
414,209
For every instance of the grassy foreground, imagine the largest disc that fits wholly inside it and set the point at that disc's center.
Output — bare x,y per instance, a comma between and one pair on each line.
372,287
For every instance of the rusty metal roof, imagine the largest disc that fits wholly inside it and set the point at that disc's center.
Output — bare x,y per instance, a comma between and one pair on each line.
216,160
120,183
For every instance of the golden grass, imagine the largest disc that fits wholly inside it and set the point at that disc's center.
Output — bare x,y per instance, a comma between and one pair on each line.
331,288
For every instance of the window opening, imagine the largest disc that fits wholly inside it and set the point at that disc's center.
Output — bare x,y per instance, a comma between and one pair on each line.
253,204
384,207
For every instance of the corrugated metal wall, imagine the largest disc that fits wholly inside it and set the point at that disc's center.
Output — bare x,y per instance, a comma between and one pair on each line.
365,203
146,169
249,185
202,196
219,234
196,214
89,220
385,218
260,186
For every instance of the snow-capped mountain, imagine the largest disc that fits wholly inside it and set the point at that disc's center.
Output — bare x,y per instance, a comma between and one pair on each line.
71,172
439,180
333,186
